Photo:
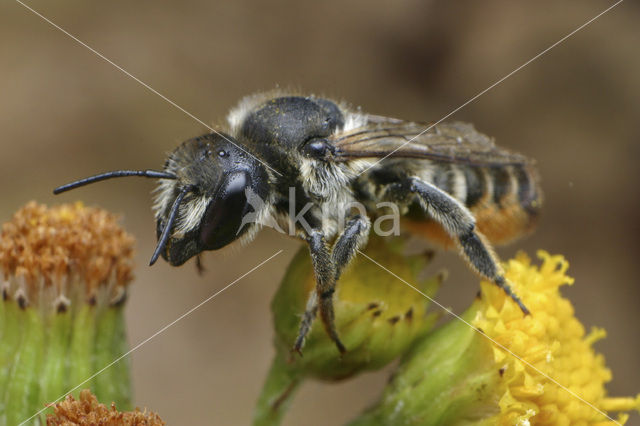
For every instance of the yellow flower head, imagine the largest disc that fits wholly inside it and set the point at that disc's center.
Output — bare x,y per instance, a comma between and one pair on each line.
497,366
550,342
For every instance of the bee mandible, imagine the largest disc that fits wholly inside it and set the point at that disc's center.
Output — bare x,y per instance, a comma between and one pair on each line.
303,162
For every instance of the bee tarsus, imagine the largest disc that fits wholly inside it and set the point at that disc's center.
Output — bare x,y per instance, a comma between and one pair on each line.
306,322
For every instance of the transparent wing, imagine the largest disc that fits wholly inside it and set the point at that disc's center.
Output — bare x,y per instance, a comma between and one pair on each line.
454,142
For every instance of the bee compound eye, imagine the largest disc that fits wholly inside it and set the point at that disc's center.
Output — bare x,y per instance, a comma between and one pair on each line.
223,217
316,148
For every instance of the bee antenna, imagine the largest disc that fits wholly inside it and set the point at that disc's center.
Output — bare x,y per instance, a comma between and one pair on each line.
162,241
114,174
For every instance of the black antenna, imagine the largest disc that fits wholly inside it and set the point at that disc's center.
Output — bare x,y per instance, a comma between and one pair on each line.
162,241
114,174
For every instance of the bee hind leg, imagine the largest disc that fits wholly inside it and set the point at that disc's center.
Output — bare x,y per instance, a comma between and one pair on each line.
458,221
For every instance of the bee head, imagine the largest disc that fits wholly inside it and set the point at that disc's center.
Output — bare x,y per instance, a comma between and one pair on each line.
215,198
211,192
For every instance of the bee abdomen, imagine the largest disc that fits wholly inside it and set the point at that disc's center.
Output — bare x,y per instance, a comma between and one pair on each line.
476,185
529,192
505,200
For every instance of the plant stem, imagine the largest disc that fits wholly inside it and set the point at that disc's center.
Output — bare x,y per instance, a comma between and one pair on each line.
277,392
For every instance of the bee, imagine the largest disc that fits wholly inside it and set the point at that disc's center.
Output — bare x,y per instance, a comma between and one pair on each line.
303,161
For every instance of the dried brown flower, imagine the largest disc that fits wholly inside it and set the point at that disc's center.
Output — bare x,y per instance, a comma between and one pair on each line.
88,411
44,251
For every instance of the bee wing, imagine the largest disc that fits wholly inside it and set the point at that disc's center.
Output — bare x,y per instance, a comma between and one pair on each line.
455,142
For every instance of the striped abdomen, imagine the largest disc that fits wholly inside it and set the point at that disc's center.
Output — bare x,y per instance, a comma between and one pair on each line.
505,200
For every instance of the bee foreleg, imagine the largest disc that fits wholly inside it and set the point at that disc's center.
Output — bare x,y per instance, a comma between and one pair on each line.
309,315
460,223
325,286
353,237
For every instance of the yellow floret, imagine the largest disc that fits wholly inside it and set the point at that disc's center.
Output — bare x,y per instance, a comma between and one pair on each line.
551,346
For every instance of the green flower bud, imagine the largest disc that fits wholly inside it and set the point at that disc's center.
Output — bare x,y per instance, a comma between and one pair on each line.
377,317
447,377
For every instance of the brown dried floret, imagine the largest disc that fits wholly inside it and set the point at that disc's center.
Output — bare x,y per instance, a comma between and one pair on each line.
44,248
88,411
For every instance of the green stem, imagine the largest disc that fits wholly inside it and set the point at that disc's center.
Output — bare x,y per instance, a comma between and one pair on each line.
23,389
277,393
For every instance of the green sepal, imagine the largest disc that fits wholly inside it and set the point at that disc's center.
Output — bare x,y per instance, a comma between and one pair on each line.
56,363
113,384
11,336
81,351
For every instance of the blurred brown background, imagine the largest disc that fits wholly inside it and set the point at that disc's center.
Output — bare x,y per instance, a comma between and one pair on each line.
65,113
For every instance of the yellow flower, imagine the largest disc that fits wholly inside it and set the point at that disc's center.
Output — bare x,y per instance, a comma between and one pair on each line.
552,342
510,369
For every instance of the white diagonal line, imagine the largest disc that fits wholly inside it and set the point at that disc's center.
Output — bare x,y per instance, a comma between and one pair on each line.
494,84
501,346
145,85
163,329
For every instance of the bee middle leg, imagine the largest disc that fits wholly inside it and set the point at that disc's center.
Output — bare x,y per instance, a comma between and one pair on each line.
350,240
458,221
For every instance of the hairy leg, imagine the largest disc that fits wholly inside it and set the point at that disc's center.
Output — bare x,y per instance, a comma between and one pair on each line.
350,240
458,221
325,287
309,315
353,237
